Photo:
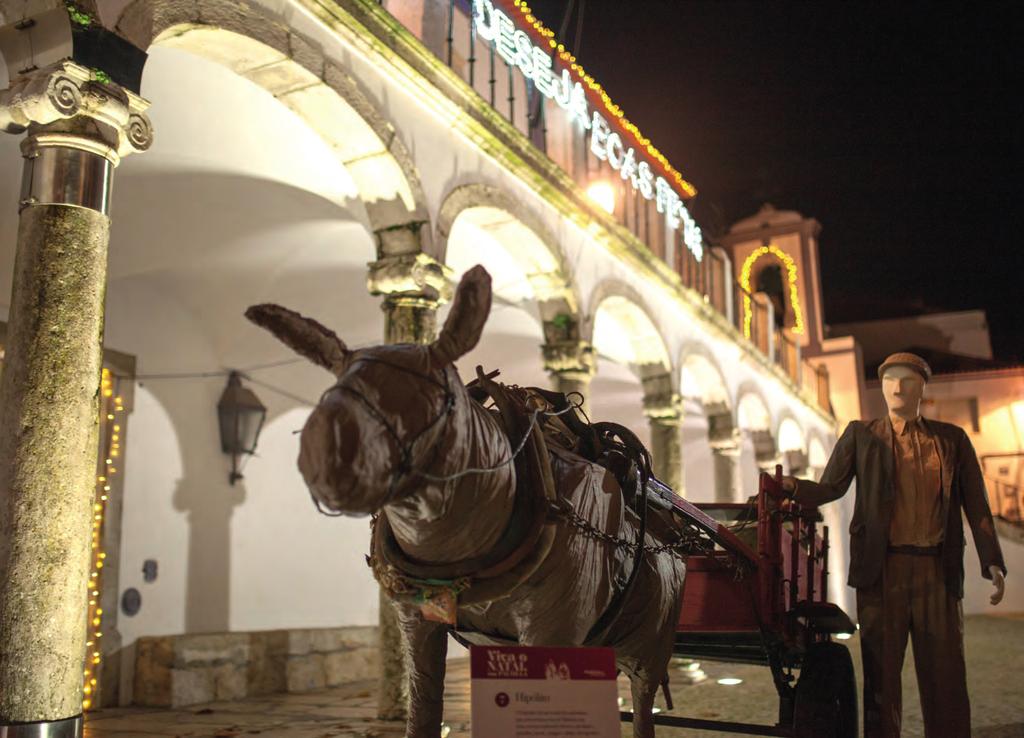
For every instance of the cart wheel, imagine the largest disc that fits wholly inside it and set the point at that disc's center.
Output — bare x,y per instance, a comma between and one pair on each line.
826,695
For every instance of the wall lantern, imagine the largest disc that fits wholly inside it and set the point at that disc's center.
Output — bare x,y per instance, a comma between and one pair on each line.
241,416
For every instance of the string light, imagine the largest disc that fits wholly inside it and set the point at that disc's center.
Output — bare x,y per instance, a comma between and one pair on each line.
606,102
791,274
111,404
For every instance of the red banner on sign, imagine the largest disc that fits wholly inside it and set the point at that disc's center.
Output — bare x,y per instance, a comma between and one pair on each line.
517,662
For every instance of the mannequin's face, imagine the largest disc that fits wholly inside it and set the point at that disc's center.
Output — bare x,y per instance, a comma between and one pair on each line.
903,389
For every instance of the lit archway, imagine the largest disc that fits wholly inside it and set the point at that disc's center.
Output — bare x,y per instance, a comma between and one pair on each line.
710,443
793,293
792,447
290,67
480,224
633,368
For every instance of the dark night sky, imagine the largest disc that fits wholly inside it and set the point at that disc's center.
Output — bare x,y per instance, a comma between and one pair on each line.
897,126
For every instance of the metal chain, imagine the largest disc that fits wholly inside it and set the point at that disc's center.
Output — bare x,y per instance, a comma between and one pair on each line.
689,542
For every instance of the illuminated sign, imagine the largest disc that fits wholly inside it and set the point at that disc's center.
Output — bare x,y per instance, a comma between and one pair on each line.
515,47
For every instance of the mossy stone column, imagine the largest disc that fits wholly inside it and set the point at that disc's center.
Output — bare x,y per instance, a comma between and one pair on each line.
77,130
725,454
571,365
664,410
413,286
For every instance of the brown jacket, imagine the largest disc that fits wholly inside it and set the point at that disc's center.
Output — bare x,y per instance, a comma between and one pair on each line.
865,451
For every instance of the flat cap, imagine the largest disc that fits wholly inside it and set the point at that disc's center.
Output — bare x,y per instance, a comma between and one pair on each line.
904,358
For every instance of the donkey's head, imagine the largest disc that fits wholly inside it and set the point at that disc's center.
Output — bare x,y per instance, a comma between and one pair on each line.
384,420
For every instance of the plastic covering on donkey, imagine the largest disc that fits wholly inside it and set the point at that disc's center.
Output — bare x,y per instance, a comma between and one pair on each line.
499,513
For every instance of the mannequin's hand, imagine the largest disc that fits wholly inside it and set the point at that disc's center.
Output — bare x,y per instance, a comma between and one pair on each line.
999,583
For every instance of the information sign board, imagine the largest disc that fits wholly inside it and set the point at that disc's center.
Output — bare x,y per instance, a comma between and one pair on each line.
521,692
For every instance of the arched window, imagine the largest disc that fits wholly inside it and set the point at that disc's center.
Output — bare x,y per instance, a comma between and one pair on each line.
769,281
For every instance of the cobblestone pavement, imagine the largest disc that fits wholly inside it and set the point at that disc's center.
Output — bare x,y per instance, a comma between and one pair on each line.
994,646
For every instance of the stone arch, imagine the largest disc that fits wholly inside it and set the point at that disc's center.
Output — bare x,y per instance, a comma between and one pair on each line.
710,441
754,419
621,328
619,323
700,376
294,69
817,452
531,253
792,445
790,434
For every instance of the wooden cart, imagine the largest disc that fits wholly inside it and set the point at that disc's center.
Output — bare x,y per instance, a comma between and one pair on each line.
759,595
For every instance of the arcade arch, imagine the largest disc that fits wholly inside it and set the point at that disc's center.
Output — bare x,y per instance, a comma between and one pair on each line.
758,449
817,455
533,303
792,446
295,71
634,379
710,440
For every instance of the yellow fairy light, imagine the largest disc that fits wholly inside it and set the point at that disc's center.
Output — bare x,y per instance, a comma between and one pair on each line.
644,142
112,403
791,273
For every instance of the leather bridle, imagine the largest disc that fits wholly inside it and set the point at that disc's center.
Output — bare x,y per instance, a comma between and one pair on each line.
405,468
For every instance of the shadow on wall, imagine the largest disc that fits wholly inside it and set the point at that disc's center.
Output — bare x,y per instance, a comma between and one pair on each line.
208,580
206,498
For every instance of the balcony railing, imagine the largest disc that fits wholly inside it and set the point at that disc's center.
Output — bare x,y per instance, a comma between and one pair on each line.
1006,500
567,137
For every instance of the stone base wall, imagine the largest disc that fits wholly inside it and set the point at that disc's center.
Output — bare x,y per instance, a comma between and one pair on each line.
178,670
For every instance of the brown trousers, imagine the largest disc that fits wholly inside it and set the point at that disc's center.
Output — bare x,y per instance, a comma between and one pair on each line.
911,598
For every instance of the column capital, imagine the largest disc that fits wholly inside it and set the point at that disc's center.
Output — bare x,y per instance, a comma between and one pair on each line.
725,443
417,277
572,358
662,404
68,105
664,409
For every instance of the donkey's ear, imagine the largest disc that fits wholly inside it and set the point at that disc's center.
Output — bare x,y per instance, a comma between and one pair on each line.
469,312
303,335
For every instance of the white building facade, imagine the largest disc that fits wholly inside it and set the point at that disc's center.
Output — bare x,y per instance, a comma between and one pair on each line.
349,160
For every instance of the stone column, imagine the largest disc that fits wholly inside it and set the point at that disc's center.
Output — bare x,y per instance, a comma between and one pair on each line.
78,128
413,286
725,455
664,410
571,365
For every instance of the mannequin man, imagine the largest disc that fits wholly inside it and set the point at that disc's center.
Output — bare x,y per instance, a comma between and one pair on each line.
914,476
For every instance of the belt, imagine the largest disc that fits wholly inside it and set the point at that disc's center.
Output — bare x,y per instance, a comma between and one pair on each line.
916,550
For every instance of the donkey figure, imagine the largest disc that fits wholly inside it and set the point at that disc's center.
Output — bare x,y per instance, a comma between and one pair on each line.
395,436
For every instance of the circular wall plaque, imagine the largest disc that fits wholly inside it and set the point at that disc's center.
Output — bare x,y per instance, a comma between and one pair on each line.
131,601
